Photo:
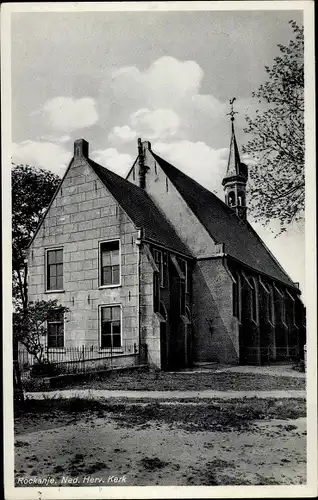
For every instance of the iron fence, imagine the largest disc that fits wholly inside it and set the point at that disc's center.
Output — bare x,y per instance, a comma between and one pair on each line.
79,359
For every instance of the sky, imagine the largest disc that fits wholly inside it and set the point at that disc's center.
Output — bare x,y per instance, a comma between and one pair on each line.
167,77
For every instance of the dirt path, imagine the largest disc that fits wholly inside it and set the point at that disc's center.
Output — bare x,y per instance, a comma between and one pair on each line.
99,449
101,393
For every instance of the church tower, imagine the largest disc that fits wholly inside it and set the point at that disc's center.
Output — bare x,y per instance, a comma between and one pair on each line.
236,176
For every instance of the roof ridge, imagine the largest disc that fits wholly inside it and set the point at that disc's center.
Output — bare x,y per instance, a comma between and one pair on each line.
221,202
197,202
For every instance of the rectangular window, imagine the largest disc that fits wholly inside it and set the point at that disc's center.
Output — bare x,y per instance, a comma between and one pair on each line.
55,332
110,265
54,270
110,327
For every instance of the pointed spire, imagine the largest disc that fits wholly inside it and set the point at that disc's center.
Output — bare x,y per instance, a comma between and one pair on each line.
234,165
236,175
234,161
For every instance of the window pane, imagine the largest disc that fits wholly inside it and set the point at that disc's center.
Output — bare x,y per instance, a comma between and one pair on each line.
60,341
52,270
115,279
116,341
51,338
106,328
51,342
106,313
51,257
107,275
106,258
114,256
59,257
106,341
59,283
52,283
116,313
59,269
116,327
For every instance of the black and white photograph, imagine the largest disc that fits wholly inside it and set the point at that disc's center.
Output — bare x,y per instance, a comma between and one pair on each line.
158,187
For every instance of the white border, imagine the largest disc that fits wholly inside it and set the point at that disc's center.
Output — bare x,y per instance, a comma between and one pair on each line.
115,285
107,349
165,491
46,289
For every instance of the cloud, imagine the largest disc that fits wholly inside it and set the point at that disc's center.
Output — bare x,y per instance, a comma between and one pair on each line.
165,82
64,138
159,123
123,134
198,160
45,155
112,159
66,113
156,124
165,100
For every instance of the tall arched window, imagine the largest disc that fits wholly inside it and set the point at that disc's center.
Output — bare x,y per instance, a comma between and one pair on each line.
254,302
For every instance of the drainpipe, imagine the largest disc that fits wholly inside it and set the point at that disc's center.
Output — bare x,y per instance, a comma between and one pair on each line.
138,244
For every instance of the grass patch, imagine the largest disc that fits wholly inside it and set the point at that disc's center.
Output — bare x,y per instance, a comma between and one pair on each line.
187,381
152,464
215,415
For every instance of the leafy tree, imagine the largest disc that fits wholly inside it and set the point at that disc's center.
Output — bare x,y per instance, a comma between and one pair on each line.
30,325
32,190
277,189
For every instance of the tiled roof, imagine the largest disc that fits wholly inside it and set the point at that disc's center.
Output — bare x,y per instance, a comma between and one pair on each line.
240,240
141,209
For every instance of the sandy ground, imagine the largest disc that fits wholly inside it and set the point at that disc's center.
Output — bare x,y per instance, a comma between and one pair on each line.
273,452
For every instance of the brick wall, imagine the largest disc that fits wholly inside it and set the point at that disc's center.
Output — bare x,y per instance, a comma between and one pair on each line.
82,215
216,336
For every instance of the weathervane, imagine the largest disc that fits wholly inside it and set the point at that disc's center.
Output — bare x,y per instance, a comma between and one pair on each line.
232,112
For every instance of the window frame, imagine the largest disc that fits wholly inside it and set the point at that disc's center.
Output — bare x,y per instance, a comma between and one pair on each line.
269,301
254,300
293,307
100,267
55,322
159,264
100,317
281,293
46,274
156,292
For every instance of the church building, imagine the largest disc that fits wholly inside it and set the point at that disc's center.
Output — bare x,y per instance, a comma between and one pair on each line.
157,267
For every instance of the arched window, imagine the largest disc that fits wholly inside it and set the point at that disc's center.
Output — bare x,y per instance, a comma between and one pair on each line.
236,295
231,199
253,299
